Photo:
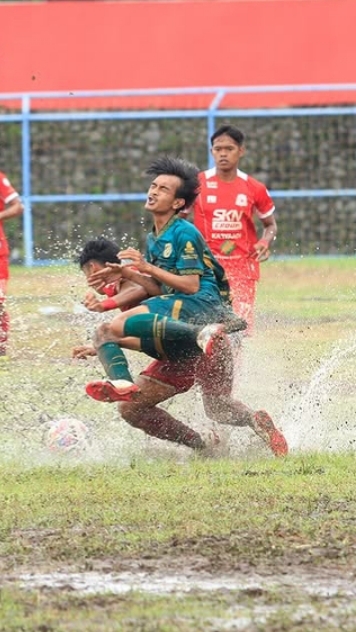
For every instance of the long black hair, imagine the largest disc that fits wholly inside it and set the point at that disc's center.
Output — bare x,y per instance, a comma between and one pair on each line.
185,171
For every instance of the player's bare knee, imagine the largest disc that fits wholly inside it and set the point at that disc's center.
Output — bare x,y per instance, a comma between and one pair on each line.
103,334
99,336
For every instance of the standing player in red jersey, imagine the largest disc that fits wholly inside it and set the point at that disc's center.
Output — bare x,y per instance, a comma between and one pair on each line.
10,206
224,212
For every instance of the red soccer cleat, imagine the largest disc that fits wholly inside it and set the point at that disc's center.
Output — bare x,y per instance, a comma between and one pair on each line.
118,391
269,433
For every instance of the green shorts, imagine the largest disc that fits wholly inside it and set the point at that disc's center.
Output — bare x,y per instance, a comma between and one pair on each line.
197,310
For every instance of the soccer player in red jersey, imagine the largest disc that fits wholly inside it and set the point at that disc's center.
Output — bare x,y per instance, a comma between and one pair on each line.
225,211
10,206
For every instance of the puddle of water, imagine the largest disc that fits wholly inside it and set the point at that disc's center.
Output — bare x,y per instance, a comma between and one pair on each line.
242,619
120,583
337,593
92,582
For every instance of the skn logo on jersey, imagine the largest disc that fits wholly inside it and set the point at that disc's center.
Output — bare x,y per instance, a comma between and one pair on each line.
227,220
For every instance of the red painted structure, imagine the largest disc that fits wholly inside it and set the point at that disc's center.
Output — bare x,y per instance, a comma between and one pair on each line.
71,46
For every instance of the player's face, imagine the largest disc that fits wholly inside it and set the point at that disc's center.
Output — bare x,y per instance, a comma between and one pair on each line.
161,196
226,153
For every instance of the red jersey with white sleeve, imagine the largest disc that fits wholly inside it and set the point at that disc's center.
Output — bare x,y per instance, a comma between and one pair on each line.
7,193
224,213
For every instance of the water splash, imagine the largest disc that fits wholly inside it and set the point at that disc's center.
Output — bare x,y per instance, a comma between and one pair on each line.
321,416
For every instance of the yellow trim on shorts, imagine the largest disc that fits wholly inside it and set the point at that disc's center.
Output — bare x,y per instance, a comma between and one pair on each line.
158,333
177,306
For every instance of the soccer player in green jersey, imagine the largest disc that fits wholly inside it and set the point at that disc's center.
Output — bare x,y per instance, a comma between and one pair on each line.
176,259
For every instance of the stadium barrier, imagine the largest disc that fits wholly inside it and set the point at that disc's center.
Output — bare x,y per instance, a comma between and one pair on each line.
79,160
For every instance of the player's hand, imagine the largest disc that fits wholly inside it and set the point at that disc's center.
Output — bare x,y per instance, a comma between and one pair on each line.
83,352
110,274
92,303
261,251
136,259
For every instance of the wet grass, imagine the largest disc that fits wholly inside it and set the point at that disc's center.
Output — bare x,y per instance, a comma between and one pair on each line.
252,609
309,289
268,517
80,513
132,506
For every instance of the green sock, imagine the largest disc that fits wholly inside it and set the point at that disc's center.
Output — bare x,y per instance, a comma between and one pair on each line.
163,337
114,361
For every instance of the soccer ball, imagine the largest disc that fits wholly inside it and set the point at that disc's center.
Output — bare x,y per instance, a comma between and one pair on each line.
66,434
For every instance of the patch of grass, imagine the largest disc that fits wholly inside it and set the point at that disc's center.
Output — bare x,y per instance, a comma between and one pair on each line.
207,612
129,505
77,513
309,289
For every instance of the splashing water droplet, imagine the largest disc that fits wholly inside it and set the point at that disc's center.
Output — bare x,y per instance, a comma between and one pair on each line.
321,416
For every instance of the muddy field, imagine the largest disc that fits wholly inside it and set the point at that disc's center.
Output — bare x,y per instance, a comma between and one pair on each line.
258,546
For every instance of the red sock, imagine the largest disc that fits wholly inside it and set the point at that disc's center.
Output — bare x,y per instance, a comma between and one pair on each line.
156,422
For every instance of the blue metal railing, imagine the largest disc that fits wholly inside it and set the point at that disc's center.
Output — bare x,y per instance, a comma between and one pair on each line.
25,117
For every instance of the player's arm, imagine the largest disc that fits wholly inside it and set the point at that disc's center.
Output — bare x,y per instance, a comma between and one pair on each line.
14,208
150,285
187,283
269,229
130,295
114,272
265,210
262,246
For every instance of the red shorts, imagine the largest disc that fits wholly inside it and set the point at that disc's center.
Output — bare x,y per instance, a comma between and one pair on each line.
243,293
242,275
213,374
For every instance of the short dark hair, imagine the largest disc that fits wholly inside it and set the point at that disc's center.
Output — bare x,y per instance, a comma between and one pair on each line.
185,171
100,249
229,130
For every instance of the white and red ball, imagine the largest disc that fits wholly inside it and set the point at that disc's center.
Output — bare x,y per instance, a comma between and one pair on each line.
67,434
